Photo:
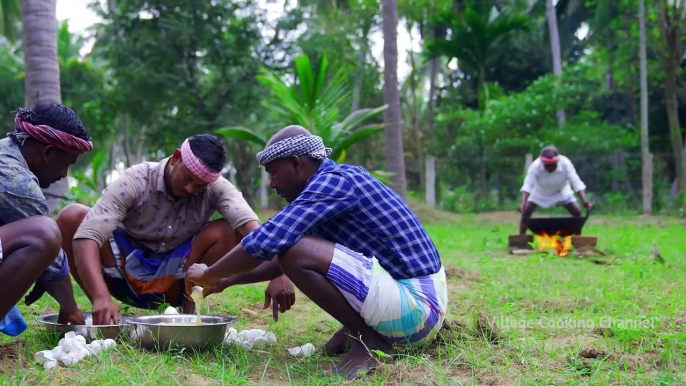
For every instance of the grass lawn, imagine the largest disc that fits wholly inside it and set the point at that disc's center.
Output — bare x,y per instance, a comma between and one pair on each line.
561,321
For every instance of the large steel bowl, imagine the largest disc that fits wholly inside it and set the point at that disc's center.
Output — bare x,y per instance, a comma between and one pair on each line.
154,332
50,325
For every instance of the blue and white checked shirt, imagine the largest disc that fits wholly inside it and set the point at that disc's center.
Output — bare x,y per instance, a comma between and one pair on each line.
347,205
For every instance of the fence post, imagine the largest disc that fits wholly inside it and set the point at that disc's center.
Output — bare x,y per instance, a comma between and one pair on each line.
647,192
430,180
528,160
264,193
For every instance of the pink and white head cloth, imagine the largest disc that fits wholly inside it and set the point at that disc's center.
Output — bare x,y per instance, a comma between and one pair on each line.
23,129
196,166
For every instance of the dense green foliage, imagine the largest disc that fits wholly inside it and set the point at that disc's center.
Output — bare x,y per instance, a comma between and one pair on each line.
161,70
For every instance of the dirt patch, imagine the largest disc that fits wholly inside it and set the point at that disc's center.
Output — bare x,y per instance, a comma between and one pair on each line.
12,356
634,362
500,217
198,380
459,279
591,353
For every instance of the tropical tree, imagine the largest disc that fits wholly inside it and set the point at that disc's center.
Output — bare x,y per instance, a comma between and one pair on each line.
671,17
474,35
314,104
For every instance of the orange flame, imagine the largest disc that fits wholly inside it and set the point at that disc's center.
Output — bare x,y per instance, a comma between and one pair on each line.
561,245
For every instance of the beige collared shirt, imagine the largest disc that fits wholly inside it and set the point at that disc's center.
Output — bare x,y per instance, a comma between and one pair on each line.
137,204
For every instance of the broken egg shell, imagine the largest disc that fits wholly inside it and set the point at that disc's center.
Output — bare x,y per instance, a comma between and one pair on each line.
49,365
44,356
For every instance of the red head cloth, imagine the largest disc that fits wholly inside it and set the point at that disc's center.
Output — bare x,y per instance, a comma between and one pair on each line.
549,160
196,166
50,136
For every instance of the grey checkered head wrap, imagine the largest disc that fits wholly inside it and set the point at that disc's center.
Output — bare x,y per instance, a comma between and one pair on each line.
304,144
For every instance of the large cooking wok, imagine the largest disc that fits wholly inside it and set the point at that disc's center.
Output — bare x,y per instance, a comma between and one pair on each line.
563,226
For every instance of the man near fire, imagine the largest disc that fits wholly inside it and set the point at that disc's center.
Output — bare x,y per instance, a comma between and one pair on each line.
349,243
151,224
551,181
46,140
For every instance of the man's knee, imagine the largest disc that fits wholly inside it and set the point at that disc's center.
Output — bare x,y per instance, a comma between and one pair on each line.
309,253
218,231
71,216
44,234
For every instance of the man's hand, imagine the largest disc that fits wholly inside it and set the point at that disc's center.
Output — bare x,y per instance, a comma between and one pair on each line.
105,312
281,291
196,275
588,205
520,207
71,316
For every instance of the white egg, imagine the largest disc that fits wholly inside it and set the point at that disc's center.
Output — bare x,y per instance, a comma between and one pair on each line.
95,346
108,343
171,311
81,339
70,335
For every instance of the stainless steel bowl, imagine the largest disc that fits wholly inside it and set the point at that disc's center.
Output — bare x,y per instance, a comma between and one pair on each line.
154,332
50,325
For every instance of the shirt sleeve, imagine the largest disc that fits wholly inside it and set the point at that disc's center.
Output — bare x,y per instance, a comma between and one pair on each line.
530,179
324,198
231,204
23,198
109,210
573,177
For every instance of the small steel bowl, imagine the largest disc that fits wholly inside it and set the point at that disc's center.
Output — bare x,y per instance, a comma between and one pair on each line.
153,332
50,325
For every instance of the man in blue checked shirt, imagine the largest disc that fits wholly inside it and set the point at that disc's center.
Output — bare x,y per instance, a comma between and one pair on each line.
349,243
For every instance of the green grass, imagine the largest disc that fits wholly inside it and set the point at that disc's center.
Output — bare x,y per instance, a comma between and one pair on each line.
548,314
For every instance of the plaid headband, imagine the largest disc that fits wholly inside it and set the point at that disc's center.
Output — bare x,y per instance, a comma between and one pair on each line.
304,144
196,166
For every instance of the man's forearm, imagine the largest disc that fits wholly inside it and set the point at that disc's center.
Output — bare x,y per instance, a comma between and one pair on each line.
525,196
63,292
87,260
269,270
235,262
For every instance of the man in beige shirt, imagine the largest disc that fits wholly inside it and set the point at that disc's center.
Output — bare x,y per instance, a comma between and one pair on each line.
154,222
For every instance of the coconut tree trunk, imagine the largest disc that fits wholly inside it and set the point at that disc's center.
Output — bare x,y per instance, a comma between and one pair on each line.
646,157
395,162
42,80
555,49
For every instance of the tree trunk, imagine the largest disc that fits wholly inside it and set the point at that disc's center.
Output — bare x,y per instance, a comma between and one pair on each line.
416,129
430,186
646,157
42,70
555,49
125,142
395,162
670,33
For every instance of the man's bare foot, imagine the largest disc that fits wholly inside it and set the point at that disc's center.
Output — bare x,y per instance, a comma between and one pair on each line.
359,361
339,343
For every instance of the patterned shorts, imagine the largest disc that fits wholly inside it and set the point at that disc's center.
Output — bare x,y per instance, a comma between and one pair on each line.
405,311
